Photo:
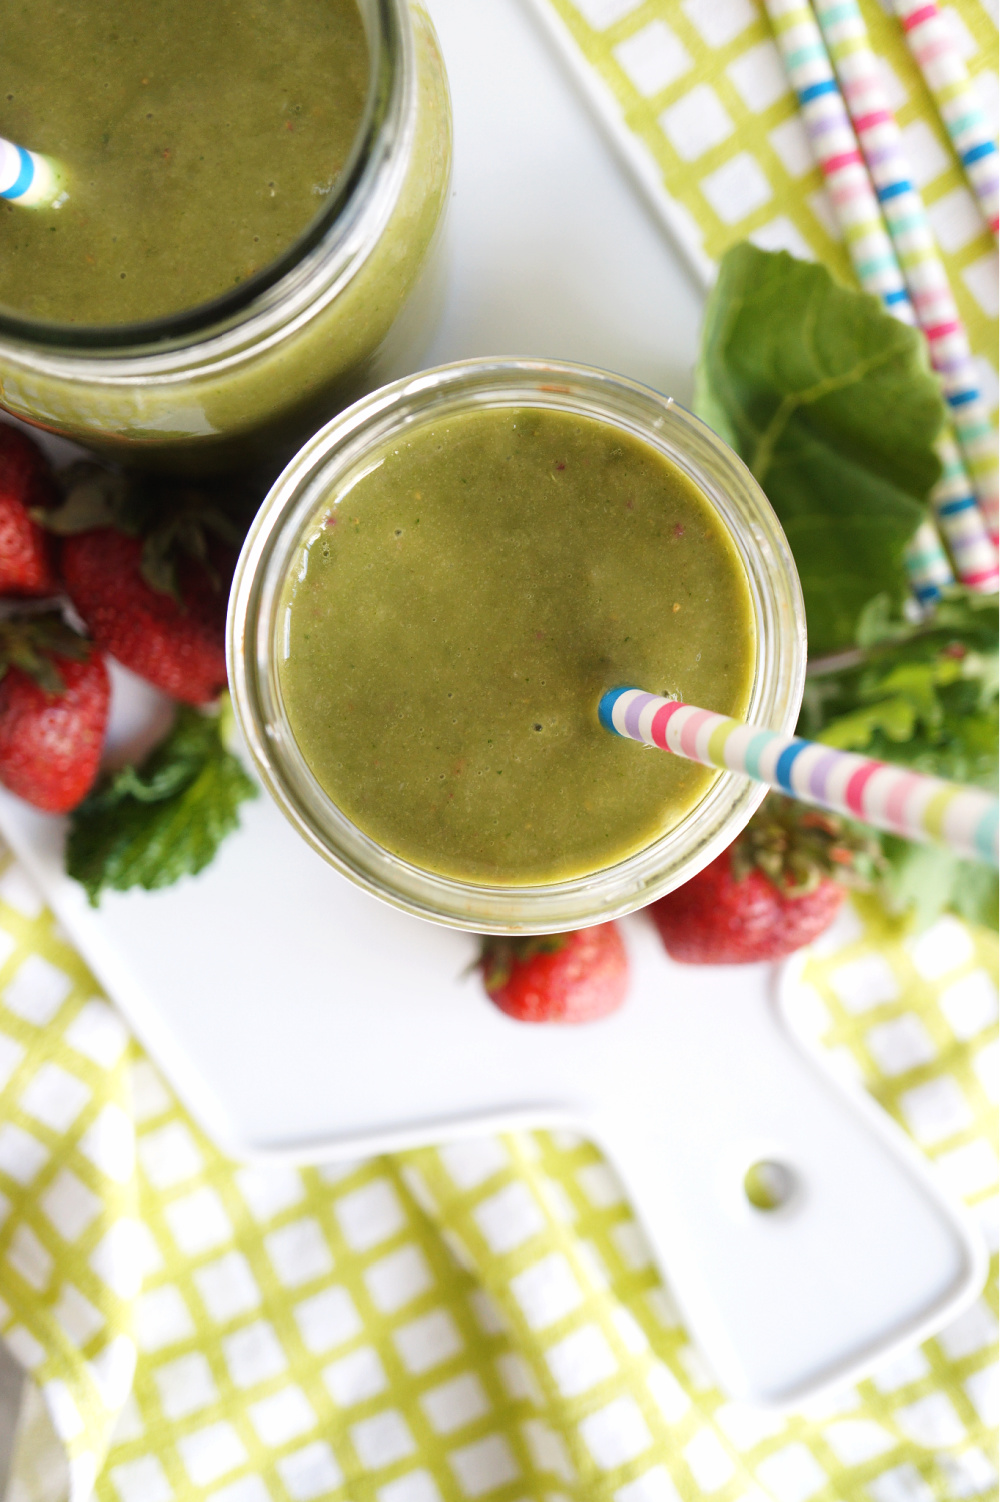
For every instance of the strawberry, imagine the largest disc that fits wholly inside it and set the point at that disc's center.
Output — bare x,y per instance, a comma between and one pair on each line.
717,919
177,644
777,887
574,977
54,696
146,563
25,484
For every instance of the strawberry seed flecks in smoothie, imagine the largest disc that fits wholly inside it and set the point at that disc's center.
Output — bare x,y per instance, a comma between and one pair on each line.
456,613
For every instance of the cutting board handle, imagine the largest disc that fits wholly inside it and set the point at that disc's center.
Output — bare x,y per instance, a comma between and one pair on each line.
802,1235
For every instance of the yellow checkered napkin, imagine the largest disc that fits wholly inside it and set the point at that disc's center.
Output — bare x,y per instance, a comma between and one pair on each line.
476,1321
695,95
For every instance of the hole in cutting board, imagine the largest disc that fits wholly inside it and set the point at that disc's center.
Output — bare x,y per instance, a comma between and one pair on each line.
769,1185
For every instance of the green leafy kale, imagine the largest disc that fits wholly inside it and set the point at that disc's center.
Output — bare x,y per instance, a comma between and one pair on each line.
831,404
923,695
147,826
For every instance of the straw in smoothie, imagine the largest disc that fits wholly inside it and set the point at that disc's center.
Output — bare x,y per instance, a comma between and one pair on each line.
456,613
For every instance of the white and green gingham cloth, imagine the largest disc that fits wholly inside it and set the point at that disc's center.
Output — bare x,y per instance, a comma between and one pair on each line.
483,1320
476,1321
696,97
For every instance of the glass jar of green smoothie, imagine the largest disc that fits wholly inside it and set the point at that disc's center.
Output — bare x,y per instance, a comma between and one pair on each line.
244,220
435,595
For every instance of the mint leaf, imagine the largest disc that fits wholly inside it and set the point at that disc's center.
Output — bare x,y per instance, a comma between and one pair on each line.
147,826
925,696
830,403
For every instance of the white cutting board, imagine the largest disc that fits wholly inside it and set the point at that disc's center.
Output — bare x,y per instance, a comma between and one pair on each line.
297,1015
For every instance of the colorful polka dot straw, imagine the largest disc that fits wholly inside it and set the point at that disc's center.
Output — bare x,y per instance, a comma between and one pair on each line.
932,43
26,177
896,799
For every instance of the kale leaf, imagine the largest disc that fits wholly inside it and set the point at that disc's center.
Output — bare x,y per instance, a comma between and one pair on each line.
923,695
832,406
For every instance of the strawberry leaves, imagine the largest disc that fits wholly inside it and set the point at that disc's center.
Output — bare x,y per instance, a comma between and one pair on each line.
501,954
175,520
798,847
31,641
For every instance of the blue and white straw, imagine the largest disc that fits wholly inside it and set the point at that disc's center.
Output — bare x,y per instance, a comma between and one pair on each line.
27,177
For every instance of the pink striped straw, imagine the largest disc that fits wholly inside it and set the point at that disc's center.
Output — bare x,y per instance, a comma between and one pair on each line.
892,798
933,46
835,148
857,69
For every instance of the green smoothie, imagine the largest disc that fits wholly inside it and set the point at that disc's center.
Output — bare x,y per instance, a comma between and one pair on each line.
191,117
455,615
198,142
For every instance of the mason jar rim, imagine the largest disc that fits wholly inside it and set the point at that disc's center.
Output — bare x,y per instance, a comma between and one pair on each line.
338,451
385,105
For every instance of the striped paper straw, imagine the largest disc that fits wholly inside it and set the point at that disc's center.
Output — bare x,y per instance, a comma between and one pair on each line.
873,256
933,46
857,68
895,799
961,520
26,177
835,148
926,565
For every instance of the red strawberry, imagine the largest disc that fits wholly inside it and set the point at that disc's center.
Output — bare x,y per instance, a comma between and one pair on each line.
717,919
54,696
25,549
574,977
777,887
178,645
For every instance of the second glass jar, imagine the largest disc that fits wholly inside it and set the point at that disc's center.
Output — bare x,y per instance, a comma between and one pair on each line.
242,382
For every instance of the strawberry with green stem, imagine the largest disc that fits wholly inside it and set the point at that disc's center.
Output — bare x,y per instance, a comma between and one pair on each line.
147,566
54,697
777,887
569,977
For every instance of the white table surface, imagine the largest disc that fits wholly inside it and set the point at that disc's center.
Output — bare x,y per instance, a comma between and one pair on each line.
559,256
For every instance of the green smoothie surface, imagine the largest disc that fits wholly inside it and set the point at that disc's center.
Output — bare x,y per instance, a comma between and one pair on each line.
198,138
455,615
